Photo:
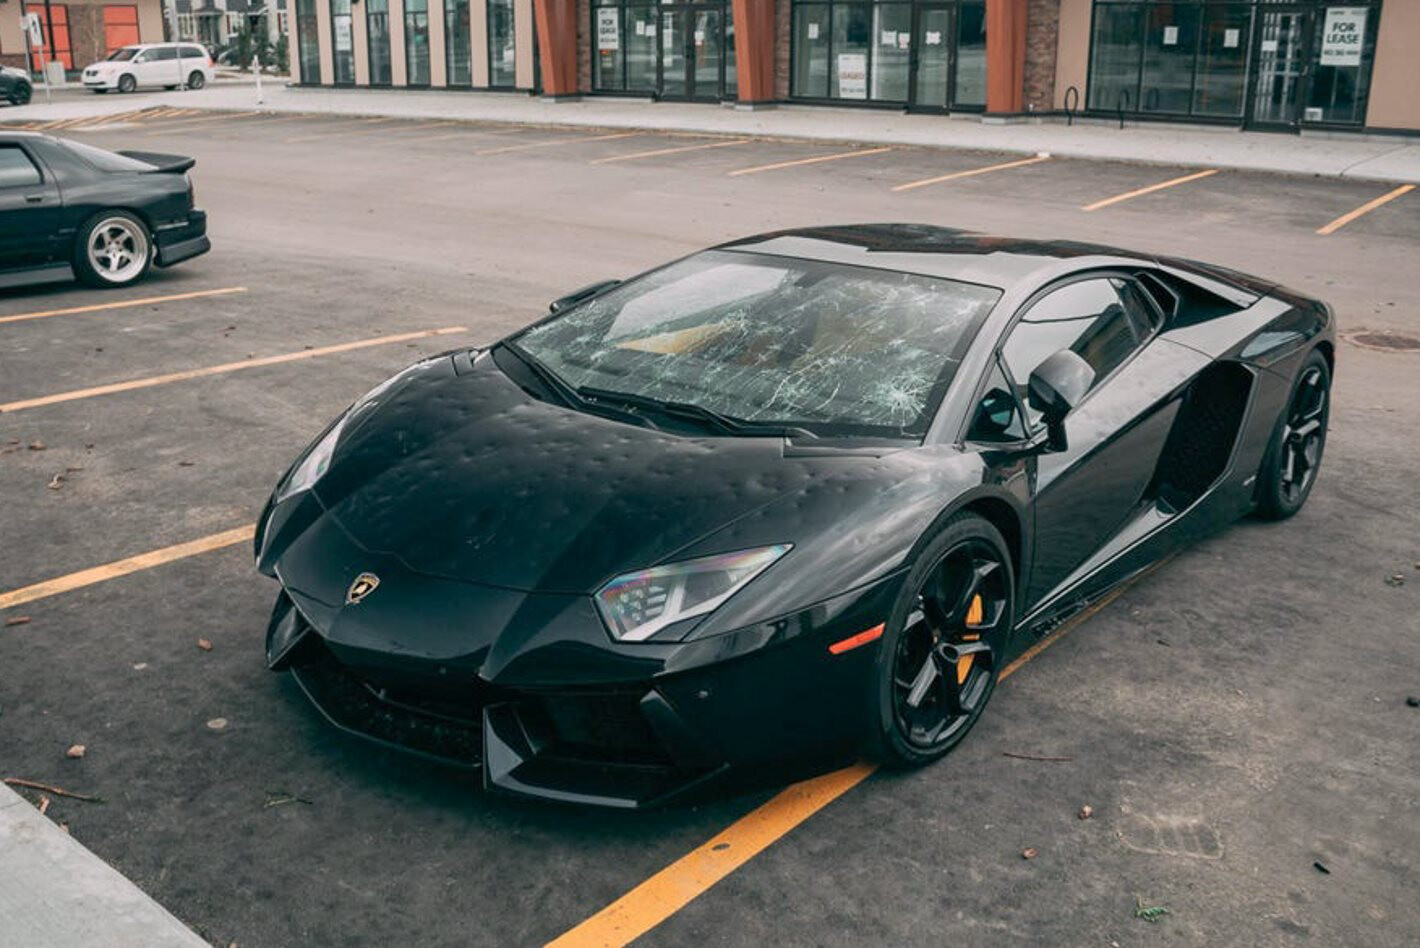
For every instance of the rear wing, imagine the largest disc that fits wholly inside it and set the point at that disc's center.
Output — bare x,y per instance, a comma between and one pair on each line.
162,164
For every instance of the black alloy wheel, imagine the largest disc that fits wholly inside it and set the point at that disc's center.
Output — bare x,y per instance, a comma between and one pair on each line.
21,95
1294,457
941,660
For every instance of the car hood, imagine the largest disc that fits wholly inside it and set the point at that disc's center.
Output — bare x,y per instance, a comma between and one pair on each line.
461,474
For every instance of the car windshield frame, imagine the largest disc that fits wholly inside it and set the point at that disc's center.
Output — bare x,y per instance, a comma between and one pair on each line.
117,55
893,392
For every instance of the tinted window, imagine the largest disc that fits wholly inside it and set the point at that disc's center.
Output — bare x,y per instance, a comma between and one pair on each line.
998,415
774,339
16,169
123,55
1090,318
192,52
162,53
106,160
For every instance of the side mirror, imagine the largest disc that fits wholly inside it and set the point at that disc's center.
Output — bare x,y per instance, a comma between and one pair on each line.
1056,386
577,296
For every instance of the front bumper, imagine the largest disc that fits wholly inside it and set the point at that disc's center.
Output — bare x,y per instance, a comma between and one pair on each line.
100,81
182,240
731,704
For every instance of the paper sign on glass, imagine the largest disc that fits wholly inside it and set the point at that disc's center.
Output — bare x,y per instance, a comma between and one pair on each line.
1170,36
813,31
608,30
1342,36
934,37
1231,39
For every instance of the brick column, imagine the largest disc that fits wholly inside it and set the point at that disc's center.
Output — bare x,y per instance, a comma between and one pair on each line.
557,44
1005,55
754,50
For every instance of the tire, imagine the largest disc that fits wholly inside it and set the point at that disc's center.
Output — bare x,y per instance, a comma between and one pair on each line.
114,249
952,620
126,83
1293,459
21,95
197,80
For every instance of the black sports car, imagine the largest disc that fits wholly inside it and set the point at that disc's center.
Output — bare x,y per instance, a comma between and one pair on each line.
796,496
69,209
15,85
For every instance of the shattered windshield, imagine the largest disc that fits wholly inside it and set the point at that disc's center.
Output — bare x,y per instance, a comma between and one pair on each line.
776,340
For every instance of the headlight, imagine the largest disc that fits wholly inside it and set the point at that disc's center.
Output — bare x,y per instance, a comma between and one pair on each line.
316,461
638,605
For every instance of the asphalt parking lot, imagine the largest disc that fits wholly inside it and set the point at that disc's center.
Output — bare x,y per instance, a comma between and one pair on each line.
1235,719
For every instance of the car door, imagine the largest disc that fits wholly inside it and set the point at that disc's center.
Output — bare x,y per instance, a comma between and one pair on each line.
30,209
1086,493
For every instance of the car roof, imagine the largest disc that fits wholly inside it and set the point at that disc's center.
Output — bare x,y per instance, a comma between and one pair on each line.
931,250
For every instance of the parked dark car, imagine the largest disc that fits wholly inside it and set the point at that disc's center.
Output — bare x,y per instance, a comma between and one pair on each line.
15,85
801,495
68,209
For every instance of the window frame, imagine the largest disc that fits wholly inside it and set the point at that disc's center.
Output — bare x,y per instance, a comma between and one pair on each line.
997,358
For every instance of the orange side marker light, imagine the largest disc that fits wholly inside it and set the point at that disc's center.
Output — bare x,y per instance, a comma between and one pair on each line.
854,641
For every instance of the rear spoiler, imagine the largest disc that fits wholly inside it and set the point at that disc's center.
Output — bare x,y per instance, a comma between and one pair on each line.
162,164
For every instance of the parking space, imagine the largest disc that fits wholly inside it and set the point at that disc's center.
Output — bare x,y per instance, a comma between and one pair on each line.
1234,719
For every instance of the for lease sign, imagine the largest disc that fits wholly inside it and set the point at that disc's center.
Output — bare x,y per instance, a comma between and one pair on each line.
1342,36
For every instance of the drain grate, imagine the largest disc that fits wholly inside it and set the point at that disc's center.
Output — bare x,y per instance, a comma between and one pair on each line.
1385,340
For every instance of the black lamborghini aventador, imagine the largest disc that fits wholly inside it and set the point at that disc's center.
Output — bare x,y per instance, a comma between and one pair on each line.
798,496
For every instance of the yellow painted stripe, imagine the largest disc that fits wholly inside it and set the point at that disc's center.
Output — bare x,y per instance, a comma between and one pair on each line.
133,564
570,140
1366,208
200,120
114,118
1129,195
669,151
674,887
220,369
971,173
860,153
356,126
468,129
121,304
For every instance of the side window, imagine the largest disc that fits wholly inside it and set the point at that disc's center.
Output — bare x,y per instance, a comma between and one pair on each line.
997,417
1103,321
192,52
162,53
16,168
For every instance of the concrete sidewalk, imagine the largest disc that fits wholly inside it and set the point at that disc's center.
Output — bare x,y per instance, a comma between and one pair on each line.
1380,158
55,893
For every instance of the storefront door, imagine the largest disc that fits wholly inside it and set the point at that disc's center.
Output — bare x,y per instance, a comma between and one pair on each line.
931,60
1284,63
692,52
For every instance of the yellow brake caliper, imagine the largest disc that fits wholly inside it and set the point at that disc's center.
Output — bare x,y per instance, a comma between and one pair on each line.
974,614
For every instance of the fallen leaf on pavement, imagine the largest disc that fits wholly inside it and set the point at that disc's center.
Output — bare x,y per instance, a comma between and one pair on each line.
205,645
217,724
1086,812
16,620
75,751
36,445
56,482
43,804
1029,853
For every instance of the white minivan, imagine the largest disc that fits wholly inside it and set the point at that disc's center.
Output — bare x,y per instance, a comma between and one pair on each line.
151,65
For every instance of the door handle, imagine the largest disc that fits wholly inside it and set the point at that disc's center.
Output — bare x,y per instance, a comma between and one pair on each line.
34,198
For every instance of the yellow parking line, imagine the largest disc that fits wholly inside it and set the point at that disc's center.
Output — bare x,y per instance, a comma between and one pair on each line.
670,151
860,153
111,119
461,133
220,369
354,126
201,120
674,887
1021,163
133,564
1128,195
571,139
1366,208
121,304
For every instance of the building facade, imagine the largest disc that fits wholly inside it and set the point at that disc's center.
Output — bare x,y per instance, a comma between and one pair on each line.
80,31
1273,64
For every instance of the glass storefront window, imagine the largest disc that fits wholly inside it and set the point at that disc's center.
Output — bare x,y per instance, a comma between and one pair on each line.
502,46
377,28
1266,62
971,55
852,40
810,44
458,47
416,42
678,48
892,48
307,41
342,43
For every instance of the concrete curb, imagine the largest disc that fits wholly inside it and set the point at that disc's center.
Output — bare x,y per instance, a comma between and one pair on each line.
1375,158
54,892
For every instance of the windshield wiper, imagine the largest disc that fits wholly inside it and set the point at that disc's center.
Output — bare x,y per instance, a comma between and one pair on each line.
566,393
718,420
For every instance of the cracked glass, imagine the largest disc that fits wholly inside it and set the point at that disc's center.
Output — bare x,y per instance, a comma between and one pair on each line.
829,347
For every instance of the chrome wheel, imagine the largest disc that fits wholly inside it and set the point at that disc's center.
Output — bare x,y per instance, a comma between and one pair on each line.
117,250
196,81
127,83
